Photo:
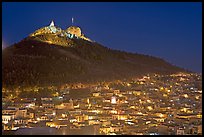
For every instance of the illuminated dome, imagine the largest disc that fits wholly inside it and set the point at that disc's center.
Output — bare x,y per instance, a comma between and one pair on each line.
74,30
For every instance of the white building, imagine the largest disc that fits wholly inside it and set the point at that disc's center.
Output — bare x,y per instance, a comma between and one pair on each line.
7,117
113,100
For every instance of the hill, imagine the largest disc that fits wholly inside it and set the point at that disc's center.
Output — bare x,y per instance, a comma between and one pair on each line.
53,56
32,62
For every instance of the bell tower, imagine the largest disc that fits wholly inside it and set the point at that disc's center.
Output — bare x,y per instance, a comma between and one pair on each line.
52,24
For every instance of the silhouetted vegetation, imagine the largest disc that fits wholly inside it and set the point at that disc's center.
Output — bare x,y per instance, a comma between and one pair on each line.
32,62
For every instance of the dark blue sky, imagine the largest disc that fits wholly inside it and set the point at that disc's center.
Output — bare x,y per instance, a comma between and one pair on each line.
170,30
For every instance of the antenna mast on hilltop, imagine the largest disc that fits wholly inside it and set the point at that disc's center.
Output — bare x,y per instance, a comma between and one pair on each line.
72,21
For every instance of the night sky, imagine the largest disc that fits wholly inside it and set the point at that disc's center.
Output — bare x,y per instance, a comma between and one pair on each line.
172,31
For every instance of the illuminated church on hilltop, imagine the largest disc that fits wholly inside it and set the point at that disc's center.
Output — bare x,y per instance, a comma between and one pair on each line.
71,32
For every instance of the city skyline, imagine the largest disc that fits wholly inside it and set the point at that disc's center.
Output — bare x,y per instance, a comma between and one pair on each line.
171,31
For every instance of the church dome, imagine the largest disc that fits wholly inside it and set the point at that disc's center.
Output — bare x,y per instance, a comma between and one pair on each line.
74,30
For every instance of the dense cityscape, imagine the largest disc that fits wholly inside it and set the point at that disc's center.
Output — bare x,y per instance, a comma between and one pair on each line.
150,105
105,68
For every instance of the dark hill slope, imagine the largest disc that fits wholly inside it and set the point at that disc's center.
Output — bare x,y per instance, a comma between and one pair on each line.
32,62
